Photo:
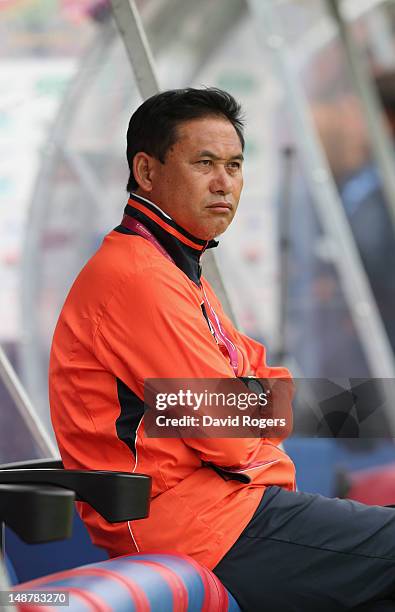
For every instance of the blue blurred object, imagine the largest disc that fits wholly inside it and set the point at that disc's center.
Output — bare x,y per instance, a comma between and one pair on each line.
157,582
31,561
318,460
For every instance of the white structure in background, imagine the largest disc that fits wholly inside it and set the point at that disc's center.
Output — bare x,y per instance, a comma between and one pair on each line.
30,94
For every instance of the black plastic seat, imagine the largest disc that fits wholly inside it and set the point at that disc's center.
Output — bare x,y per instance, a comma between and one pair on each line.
37,513
33,493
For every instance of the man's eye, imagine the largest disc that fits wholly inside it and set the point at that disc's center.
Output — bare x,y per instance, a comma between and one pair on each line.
234,165
205,162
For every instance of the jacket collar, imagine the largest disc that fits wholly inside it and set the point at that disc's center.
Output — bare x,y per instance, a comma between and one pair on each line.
184,248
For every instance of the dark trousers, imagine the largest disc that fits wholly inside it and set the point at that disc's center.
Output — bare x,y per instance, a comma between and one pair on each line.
307,553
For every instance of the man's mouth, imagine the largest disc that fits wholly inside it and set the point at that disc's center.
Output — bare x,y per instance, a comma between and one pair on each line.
220,206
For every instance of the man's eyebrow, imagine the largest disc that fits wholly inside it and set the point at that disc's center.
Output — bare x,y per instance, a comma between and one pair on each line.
206,153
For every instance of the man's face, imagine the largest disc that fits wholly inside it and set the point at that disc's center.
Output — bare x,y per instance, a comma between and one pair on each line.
199,184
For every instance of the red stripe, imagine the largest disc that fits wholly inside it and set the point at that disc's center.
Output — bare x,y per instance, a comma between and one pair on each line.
94,603
33,608
91,599
208,578
175,582
220,603
139,597
164,225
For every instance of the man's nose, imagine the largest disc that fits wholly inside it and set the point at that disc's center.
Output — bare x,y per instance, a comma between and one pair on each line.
221,182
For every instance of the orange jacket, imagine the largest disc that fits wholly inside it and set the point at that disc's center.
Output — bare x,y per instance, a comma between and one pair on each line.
132,314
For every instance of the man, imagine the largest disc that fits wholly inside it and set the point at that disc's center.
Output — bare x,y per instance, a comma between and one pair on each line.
141,309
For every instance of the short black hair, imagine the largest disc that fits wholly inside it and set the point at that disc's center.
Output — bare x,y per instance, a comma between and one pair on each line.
153,126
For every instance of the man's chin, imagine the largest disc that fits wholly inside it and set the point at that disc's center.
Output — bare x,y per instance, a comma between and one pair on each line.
218,232
208,230
211,235
214,231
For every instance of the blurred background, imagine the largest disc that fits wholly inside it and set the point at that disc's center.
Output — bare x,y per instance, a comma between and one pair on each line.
309,265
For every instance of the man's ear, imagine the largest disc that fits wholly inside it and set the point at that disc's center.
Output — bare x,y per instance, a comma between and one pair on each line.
142,170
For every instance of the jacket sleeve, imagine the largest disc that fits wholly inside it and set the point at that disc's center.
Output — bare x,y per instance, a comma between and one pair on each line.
153,327
253,355
254,352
